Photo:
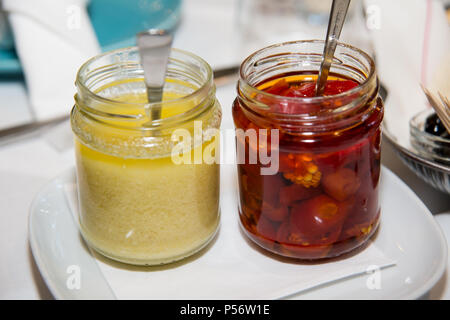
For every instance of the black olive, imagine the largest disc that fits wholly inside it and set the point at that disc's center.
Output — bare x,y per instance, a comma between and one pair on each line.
434,126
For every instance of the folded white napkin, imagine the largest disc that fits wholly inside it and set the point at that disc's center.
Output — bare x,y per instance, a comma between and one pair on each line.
412,45
231,267
53,38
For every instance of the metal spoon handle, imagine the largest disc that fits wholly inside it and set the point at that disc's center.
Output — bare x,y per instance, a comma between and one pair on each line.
154,48
337,17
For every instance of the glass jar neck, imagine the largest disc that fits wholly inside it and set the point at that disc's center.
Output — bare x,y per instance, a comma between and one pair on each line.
308,114
111,90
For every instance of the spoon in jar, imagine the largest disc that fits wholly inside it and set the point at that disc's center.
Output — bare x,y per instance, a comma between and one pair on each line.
337,17
154,49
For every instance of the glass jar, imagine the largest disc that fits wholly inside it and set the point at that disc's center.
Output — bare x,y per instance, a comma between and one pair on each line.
308,167
146,196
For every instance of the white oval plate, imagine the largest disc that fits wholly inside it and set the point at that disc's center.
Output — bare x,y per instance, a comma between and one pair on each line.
441,291
408,234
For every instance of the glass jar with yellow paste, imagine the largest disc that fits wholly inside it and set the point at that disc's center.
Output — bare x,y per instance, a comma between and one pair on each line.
147,194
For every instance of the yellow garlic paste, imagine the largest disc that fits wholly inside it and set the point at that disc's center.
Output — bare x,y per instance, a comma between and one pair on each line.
136,205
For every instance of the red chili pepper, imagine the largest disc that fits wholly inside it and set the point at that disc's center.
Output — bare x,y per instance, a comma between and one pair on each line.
341,184
279,87
334,87
266,229
276,214
295,192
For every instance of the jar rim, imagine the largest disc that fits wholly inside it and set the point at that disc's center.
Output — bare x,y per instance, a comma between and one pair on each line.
361,87
205,87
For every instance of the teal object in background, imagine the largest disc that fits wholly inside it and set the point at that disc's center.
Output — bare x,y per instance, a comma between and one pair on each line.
9,63
116,23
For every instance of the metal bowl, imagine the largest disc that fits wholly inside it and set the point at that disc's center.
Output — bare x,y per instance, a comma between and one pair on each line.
430,146
434,173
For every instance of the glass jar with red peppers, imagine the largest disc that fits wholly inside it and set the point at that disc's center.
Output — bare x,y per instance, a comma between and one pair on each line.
308,166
